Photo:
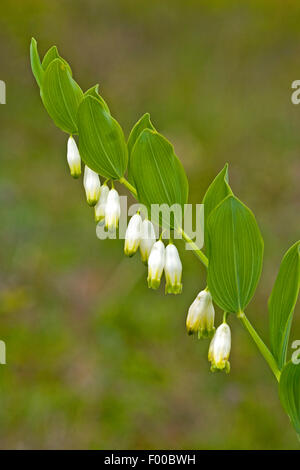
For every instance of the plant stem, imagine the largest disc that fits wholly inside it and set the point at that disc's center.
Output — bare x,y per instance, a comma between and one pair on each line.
128,186
260,344
196,249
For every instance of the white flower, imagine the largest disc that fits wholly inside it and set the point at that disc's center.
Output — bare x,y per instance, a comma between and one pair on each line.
100,206
133,235
112,210
91,183
156,263
173,270
219,349
147,239
73,157
201,315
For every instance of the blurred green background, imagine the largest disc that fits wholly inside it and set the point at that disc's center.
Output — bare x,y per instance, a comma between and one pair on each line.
94,358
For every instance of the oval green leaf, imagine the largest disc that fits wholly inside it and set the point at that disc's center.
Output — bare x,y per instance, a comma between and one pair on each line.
101,140
36,65
61,96
158,174
235,252
289,393
282,303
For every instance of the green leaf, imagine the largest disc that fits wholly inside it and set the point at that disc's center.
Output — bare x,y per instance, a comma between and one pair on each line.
215,194
282,303
94,91
51,55
235,251
36,65
158,174
61,96
143,123
101,140
289,393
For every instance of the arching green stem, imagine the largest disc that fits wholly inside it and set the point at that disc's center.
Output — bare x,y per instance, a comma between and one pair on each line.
260,344
196,250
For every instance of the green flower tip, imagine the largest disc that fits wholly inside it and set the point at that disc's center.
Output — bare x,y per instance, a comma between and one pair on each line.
205,333
99,218
173,289
91,202
130,253
225,367
153,283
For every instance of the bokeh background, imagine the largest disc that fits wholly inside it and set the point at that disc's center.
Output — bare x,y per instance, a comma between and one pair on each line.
94,358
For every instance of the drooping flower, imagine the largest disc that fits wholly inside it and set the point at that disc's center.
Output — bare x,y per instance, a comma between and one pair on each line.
173,270
73,158
112,210
219,349
101,204
92,185
133,235
148,239
201,316
156,263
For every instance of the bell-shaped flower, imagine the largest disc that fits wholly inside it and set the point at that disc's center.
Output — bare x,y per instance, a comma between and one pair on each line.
173,270
133,235
201,316
148,239
73,158
92,185
101,204
219,349
112,210
156,263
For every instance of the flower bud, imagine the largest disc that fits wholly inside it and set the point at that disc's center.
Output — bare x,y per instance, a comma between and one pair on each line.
156,264
173,270
148,239
112,210
133,235
201,316
73,158
100,206
219,349
91,183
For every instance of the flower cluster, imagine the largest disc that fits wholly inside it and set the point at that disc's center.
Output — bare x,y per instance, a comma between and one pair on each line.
106,202
140,235
200,321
